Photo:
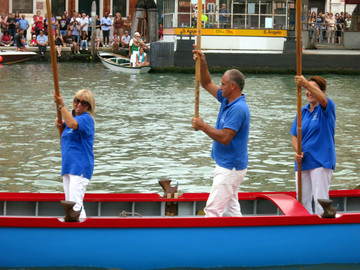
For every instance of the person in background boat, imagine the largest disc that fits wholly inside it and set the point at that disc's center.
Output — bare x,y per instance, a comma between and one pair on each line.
125,40
230,139
84,41
106,23
318,156
6,39
42,42
134,46
77,140
59,41
24,24
224,16
141,58
20,41
115,42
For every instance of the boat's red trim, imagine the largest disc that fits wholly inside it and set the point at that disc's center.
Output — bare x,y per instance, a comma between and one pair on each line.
178,222
287,204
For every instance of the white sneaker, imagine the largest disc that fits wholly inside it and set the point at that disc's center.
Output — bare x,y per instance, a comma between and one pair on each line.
78,52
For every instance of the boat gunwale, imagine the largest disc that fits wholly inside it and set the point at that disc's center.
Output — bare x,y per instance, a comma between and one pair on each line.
178,222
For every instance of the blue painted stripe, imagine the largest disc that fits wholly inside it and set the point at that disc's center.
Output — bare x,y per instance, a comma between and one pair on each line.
151,248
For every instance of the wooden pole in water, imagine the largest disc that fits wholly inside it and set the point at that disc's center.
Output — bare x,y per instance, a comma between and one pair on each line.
197,67
53,59
299,72
93,25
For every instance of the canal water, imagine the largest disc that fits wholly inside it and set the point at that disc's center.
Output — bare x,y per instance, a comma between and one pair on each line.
144,134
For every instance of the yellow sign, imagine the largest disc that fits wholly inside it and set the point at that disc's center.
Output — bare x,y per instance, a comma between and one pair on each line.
233,32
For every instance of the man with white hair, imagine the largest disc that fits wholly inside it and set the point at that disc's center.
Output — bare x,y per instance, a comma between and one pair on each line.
134,46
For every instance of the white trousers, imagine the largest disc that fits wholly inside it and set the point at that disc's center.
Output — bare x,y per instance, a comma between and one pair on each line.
223,199
74,188
133,58
315,183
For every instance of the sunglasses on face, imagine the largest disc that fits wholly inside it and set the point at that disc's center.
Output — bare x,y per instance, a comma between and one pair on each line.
83,102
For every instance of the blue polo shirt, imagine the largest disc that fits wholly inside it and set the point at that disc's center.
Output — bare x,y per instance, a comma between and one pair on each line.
23,24
77,147
235,116
318,131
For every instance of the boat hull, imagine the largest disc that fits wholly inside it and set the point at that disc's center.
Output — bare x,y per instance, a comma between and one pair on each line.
11,57
34,234
191,247
110,60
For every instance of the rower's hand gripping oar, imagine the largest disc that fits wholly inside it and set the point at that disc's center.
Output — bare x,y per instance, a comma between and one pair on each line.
53,61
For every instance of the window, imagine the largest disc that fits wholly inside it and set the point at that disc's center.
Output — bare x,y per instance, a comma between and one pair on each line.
169,13
119,6
57,7
22,6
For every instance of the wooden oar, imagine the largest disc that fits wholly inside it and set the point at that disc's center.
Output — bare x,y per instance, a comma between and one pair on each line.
53,59
298,72
197,67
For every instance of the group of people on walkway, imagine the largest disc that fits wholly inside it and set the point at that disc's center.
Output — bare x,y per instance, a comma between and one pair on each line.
69,31
327,26
230,142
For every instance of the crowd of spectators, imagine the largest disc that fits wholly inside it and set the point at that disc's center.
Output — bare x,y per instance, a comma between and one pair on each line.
327,28
69,31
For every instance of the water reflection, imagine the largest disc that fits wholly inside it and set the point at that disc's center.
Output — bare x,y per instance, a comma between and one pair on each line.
143,130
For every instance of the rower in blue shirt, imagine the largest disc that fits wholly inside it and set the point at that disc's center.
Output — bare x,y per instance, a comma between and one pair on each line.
318,144
230,139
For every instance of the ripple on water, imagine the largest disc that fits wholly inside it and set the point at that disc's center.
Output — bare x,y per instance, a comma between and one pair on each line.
143,131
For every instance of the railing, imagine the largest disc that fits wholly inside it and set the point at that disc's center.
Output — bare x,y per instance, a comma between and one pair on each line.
326,33
234,21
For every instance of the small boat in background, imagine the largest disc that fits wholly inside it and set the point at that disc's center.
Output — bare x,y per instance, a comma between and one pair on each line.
120,63
12,57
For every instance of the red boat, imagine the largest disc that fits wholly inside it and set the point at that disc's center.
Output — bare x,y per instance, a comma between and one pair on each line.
147,231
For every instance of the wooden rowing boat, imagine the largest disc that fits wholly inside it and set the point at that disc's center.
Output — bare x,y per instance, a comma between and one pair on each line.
135,231
120,63
12,57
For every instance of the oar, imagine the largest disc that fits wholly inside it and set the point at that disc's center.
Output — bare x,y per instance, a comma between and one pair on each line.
53,59
298,72
197,67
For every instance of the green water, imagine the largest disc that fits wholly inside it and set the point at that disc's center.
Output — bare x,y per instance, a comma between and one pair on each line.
143,130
